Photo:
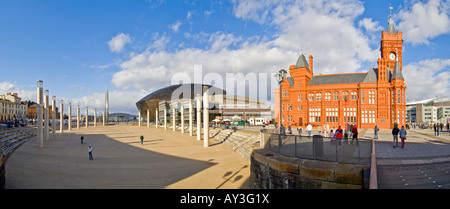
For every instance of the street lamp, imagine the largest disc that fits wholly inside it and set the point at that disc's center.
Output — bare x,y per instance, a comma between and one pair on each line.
69,127
40,136
280,78
53,115
46,114
61,117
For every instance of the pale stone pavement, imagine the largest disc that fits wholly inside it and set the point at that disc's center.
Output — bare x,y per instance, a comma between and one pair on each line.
167,159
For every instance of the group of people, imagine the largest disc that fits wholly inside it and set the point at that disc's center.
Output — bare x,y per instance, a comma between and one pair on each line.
351,131
91,157
396,132
438,128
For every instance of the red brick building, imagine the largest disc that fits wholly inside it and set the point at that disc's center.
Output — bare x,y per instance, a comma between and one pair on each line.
365,99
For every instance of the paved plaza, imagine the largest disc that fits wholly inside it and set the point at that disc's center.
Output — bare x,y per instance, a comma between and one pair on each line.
167,159
170,159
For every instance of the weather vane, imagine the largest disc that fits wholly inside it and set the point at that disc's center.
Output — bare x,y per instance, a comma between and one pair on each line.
390,10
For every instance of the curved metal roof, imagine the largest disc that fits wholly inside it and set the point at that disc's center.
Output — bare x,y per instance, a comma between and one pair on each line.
166,93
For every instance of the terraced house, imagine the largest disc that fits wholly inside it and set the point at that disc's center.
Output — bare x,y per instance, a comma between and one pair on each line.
365,99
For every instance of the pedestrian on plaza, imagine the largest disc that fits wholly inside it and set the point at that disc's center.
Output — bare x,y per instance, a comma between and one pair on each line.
332,135
448,126
299,130
282,129
339,132
324,130
375,131
90,153
402,134
434,126
290,130
437,128
319,129
82,137
328,128
142,139
309,129
355,132
395,131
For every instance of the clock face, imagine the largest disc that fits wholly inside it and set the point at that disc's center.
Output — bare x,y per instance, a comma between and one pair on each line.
392,56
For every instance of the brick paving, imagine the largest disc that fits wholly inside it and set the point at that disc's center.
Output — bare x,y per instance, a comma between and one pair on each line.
424,162
166,159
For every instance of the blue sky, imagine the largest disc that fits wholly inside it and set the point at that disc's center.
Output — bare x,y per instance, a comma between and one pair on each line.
79,48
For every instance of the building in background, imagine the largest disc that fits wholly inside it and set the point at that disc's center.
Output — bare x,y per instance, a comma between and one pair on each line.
222,106
12,107
368,98
428,111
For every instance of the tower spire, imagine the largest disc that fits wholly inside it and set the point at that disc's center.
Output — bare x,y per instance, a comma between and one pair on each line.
391,28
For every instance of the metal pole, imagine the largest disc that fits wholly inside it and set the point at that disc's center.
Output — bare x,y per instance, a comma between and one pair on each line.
191,121
182,119
156,117
69,127
78,117
87,117
53,115
199,117
46,115
40,135
205,118
61,117
295,146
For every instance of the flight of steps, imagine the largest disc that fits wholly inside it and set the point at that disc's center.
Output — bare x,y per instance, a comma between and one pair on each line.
241,142
11,139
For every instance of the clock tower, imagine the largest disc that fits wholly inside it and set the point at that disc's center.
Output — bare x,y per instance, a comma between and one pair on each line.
391,45
390,83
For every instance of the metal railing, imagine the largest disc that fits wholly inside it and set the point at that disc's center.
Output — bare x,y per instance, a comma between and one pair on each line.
317,147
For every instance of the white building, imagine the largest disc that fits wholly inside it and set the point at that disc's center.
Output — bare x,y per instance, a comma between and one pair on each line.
12,108
428,111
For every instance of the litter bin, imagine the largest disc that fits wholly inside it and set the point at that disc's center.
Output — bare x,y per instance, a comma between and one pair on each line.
317,146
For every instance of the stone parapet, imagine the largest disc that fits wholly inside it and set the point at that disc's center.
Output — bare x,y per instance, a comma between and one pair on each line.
271,171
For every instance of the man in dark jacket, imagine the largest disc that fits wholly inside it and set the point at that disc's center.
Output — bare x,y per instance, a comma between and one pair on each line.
395,131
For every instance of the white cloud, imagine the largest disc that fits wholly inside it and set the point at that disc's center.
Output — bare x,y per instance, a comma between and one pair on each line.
324,29
117,43
176,26
370,25
119,101
436,83
425,21
7,87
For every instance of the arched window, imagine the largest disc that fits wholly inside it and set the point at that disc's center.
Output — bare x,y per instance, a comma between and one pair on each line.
336,96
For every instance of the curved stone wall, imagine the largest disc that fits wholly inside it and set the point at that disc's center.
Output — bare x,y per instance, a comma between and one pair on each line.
2,173
271,171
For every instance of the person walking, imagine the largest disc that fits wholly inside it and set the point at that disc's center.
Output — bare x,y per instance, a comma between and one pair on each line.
402,134
309,129
355,132
299,130
375,131
142,139
437,128
339,132
282,129
434,126
331,135
82,138
90,153
395,131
